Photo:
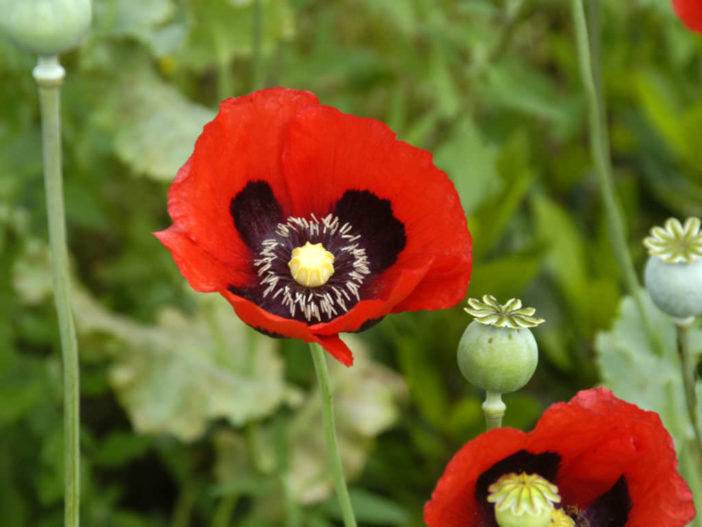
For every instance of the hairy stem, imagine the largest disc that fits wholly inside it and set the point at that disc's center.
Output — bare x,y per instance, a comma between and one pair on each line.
49,75
599,146
342,492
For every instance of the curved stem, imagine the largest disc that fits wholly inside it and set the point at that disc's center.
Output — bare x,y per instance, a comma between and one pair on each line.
682,328
225,511
342,492
257,79
599,145
494,410
49,75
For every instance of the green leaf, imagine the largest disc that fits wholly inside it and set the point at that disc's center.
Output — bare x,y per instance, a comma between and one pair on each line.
369,509
119,448
631,368
222,29
506,276
532,93
470,162
176,376
153,126
566,256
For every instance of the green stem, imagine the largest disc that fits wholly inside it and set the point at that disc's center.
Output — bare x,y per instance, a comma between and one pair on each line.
225,511
690,463
256,52
342,493
184,505
224,79
599,145
49,75
688,375
494,410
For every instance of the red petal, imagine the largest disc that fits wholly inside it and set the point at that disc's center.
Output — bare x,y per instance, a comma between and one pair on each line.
453,502
600,438
203,272
328,152
690,12
395,286
263,320
243,143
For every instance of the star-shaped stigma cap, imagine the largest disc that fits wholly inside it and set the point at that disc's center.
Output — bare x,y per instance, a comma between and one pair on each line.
509,315
674,242
673,273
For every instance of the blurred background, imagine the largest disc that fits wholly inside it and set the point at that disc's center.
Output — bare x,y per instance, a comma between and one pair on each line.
190,418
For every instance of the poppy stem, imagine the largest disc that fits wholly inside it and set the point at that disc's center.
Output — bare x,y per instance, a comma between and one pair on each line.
49,75
682,327
257,79
599,146
494,410
342,492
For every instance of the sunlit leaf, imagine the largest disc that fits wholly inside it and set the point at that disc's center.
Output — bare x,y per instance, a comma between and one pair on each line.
178,375
632,369
222,29
153,125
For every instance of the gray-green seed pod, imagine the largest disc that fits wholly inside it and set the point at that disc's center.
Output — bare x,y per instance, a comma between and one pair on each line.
45,27
497,351
673,273
497,359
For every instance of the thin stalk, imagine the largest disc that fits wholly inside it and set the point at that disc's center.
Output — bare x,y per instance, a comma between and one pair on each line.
342,492
224,78
599,146
184,506
494,410
225,511
682,328
256,47
49,75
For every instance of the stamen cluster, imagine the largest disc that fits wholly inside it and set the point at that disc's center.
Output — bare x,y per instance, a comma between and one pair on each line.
343,288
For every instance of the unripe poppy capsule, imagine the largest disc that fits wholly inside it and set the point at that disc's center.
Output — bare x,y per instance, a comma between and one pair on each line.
673,273
497,351
45,27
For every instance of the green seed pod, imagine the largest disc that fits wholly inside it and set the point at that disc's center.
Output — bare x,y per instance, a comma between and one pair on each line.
45,27
523,500
497,359
497,351
673,273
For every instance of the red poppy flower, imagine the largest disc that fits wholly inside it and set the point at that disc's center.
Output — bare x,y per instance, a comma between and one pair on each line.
276,170
690,12
613,463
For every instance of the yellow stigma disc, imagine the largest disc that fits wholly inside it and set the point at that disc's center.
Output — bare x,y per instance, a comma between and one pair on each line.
311,265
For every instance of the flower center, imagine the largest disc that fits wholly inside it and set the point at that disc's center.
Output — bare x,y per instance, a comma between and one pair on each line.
524,500
311,265
311,269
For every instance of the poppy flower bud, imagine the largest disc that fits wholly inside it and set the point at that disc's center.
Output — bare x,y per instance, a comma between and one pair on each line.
45,27
497,351
673,273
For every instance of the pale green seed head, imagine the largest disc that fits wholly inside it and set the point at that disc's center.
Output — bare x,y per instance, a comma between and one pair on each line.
523,500
45,27
676,243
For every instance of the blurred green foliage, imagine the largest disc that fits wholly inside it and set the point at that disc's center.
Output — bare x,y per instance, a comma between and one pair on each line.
188,417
